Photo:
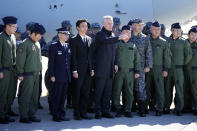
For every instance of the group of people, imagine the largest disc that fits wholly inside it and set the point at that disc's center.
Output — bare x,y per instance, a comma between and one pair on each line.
99,70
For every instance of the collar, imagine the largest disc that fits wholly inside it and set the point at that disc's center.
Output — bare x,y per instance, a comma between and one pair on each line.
153,38
82,37
192,42
106,31
6,34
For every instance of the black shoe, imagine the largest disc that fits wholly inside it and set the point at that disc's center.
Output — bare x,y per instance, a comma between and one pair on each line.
90,110
142,107
34,119
9,119
141,114
3,121
11,113
166,112
178,113
77,117
25,120
69,106
158,113
40,106
98,116
86,117
195,112
146,111
107,115
128,114
64,119
118,113
56,119
113,109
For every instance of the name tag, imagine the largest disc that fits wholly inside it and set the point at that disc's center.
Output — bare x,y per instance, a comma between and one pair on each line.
59,52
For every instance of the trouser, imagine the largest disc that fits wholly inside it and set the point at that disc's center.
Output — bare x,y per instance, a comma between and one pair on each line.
102,94
58,99
125,79
40,86
155,84
8,89
175,77
193,82
28,95
187,90
140,87
81,91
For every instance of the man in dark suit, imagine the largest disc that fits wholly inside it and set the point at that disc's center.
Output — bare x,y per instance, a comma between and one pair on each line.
82,69
104,67
60,75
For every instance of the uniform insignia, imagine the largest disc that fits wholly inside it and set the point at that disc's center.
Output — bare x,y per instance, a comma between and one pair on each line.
54,43
33,48
20,50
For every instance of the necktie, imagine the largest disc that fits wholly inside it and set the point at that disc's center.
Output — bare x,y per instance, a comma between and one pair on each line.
84,41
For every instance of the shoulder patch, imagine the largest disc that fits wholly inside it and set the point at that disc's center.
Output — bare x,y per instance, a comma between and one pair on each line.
54,43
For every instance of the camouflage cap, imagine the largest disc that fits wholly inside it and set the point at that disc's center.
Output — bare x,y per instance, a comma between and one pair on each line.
95,25
66,23
116,21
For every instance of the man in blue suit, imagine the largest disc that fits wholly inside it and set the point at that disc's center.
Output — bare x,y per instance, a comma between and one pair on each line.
59,71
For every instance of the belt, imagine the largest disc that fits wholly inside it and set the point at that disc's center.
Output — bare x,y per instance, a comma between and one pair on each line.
28,73
194,67
130,69
179,66
6,68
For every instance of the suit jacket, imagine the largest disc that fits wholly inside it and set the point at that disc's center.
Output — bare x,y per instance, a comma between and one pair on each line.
105,53
59,62
81,55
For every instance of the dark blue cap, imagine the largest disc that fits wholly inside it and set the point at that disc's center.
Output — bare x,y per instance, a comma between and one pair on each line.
195,26
156,24
29,25
176,26
193,30
130,22
126,27
37,28
9,20
162,26
63,30
137,21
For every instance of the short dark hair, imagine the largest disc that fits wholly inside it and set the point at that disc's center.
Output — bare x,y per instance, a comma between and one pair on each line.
80,21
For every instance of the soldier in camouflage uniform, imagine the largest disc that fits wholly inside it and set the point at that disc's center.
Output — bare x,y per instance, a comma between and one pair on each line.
144,48
116,26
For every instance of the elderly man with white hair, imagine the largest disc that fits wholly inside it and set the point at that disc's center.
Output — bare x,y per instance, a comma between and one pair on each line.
104,67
